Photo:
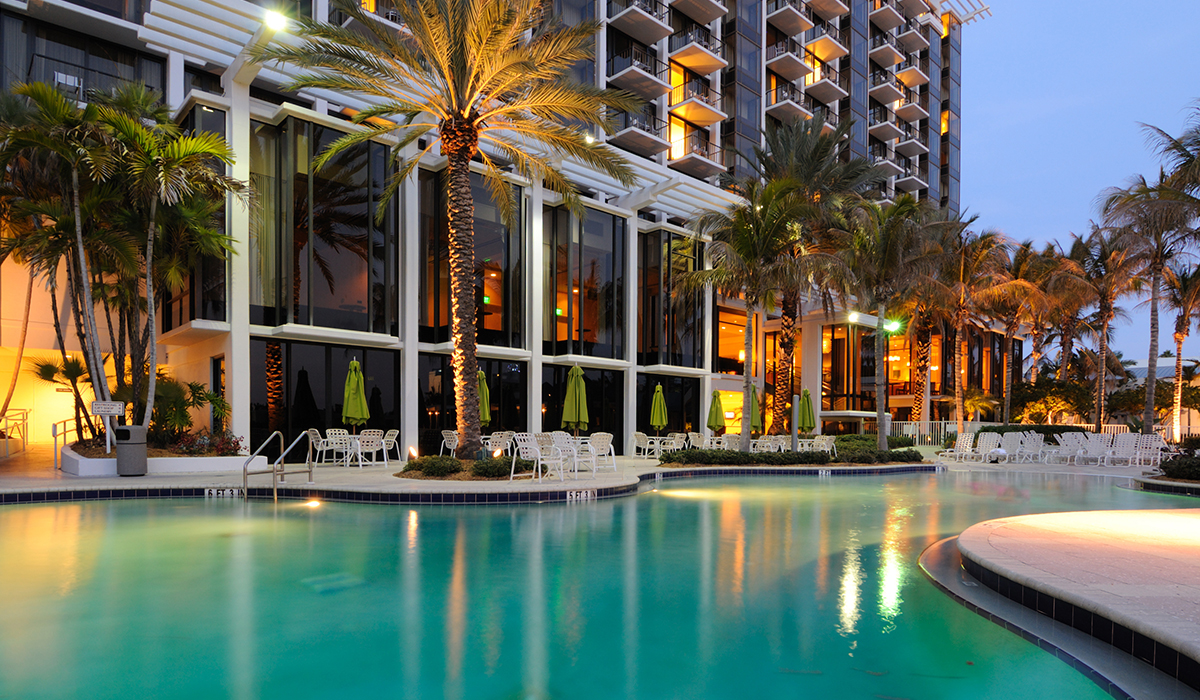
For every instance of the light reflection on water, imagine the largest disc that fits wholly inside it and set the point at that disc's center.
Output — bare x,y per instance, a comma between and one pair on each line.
704,588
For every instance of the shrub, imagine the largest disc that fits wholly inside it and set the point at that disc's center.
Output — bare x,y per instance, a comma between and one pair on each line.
905,455
1182,468
868,442
222,444
494,467
734,457
434,465
861,456
1190,443
948,443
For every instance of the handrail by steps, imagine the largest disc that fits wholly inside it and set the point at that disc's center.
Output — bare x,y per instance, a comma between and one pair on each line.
277,470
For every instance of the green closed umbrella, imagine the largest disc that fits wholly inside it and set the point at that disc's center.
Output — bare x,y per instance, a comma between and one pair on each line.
716,414
575,413
354,403
755,412
658,410
808,420
485,400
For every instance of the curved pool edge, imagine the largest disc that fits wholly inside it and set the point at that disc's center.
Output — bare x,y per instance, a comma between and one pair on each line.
462,494
1179,488
1120,675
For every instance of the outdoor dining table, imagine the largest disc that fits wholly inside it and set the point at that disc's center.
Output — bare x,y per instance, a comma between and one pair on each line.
355,448
656,443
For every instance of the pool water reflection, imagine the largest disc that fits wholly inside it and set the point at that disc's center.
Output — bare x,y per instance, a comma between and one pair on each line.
789,587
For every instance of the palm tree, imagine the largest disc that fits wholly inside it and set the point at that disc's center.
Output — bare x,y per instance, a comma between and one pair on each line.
887,253
481,78
1182,295
157,165
1025,263
751,256
926,310
1157,227
1110,271
829,179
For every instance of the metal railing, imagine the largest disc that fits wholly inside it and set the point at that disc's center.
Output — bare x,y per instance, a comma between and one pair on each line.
911,25
912,169
882,115
657,10
914,61
821,29
878,151
15,422
823,71
786,91
641,122
636,57
831,117
73,79
909,97
278,470
697,89
774,6
786,46
882,77
887,39
64,427
695,34
697,143
908,132
880,4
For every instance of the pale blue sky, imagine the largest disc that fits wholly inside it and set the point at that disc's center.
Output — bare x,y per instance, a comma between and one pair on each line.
1053,93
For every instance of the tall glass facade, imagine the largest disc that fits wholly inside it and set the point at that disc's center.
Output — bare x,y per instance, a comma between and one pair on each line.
499,282
605,400
682,395
584,283
668,328
847,368
436,411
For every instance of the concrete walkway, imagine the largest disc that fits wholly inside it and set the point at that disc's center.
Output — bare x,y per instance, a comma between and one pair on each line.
1138,569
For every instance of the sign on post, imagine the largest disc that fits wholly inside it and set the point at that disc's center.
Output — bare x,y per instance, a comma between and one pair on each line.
108,408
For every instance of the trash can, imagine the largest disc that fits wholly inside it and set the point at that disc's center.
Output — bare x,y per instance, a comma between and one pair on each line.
131,450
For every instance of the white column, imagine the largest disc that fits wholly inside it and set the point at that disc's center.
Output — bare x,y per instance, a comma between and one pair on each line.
534,241
174,93
237,342
706,382
810,365
410,294
631,300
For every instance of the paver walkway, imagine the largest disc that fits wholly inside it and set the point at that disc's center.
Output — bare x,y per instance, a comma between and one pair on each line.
1140,569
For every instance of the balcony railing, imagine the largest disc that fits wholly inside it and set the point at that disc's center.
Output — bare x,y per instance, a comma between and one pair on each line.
73,79
886,39
908,132
913,61
657,10
786,46
787,91
697,144
636,57
821,30
774,6
824,71
882,77
831,117
914,169
878,151
642,122
882,115
695,35
697,89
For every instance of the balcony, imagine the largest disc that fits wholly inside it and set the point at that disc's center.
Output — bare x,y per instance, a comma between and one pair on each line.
75,80
644,20
828,9
640,133
913,141
791,17
826,85
883,124
885,50
886,15
913,178
911,106
788,104
912,36
703,11
635,70
695,156
696,102
789,60
915,7
884,87
882,160
826,42
829,116
697,50
913,72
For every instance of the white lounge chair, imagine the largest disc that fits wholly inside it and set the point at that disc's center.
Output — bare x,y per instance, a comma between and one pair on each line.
962,447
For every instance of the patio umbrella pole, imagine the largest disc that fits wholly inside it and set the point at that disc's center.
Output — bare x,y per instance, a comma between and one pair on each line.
795,422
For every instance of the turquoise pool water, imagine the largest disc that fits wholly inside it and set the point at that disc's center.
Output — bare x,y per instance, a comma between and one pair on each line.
708,588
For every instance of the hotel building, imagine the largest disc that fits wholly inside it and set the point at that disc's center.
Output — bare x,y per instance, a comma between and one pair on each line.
316,282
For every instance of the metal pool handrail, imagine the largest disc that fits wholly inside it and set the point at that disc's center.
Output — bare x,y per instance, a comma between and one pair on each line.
277,470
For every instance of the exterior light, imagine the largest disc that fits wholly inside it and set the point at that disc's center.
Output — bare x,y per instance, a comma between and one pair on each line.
589,139
853,317
313,504
497,453
412,452
275,21
891,326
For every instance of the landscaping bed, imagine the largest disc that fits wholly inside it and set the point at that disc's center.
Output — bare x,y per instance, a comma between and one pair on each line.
443,468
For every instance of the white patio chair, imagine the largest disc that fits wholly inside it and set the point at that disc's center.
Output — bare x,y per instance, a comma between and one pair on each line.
1095,449
962,447
574,450
317,444
337,443
601,446
1031,447
984,444
390,443
697,440
449,442
762,444
1150,450
540,451
1123,453
496,441
825,443
370,442
641,445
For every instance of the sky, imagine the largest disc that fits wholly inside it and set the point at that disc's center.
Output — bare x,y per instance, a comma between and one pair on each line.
1054,94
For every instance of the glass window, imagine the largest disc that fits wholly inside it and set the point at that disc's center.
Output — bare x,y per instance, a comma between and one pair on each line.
585,293
264,228
730,342
847,368
498,268
76,63
667,332
436,411
605,400
682,395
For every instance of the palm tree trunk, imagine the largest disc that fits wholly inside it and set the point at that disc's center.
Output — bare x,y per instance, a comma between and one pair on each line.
960,361
92,351
12,385
1101,372
1008,359
748,348
62,352
924,343
1177,406
881,388
1036,354
150,320
1148,413
460,142
1067,348
784,362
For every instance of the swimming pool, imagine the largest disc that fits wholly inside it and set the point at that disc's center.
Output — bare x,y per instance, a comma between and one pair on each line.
704,588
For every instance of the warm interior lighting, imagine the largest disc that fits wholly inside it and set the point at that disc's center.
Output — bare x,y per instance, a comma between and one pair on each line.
729,415
313,504
275,21
945,121
741,355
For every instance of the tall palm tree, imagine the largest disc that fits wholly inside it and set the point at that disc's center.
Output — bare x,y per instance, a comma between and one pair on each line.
927,309
1181,295
481,78
829,179
751,256
1110,271
1025,263
1157,227
887,253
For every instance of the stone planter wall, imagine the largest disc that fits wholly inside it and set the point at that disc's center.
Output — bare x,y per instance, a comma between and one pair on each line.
73,463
